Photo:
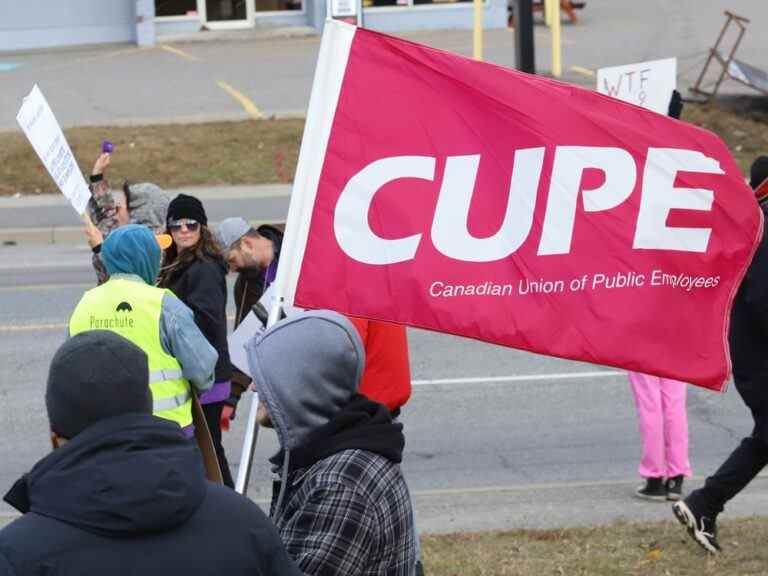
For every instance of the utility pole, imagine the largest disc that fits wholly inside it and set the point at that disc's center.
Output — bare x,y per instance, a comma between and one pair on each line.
524,55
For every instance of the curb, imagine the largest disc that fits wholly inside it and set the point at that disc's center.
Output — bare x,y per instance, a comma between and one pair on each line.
72,235
230,36
228,192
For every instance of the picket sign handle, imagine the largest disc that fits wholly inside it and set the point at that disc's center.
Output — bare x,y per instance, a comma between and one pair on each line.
286,256
322,106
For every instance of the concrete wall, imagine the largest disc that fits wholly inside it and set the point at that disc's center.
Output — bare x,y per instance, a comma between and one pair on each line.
420,17
434,17
30,24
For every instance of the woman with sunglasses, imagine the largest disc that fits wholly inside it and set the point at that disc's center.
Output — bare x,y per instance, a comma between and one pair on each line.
196,272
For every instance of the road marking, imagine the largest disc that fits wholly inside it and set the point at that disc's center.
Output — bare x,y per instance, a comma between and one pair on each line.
518,378
50,326
179,53
583,71
32,287
437,492
32,327
251,108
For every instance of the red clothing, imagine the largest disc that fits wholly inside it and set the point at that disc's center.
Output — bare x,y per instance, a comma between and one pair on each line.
387,375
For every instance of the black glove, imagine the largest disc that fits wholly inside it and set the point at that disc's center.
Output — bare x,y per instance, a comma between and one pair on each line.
675,105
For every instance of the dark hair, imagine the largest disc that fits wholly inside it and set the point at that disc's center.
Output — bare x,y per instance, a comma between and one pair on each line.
758,172
127,192
207,248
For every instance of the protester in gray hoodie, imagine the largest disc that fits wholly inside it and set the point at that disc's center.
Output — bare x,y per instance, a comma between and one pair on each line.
142,203
342,505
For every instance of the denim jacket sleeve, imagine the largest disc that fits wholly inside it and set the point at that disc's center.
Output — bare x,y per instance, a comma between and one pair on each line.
182,339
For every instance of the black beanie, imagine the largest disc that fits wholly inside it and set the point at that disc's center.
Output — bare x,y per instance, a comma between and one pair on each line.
758,172
96,375
184,206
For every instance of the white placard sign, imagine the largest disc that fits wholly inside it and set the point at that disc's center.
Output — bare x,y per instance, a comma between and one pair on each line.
39,124
646,84
250,327
343,8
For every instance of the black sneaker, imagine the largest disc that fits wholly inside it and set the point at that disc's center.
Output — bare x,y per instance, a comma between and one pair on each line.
653,489
674,488
702,529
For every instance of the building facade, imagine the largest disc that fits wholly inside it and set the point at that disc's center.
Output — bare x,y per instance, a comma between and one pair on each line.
36,24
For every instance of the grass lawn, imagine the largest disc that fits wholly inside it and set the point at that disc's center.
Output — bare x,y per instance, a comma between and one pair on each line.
658,549
174,155
649,549
266,151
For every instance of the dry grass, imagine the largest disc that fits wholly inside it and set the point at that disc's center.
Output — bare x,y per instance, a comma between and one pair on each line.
266,151
248,152
741,122
662,549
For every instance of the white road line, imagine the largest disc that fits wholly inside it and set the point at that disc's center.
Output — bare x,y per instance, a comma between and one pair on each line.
437,492
518,378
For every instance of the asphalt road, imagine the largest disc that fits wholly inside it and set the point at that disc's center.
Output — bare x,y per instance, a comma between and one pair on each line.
496,438
196,81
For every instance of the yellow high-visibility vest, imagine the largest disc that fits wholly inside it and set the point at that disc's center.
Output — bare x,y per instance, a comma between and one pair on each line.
132,309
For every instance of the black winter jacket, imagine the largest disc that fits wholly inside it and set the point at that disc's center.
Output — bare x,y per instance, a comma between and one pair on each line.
202,285
749,337
127,496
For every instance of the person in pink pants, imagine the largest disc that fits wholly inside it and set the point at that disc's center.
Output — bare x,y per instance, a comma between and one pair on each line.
663,423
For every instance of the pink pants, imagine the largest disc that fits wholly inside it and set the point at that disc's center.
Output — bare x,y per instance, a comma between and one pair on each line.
663,425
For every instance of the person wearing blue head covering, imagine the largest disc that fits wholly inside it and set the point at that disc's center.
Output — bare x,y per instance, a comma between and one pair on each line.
152,318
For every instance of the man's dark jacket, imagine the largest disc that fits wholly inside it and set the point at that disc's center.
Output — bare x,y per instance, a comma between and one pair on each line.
749,337
202,285
127,496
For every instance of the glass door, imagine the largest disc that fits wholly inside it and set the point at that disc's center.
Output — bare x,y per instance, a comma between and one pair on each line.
223,14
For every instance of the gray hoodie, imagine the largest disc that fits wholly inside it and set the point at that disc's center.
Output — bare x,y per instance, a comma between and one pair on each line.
148,205
340,451
305,391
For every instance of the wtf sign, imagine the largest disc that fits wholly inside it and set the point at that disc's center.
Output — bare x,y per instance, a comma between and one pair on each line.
646,84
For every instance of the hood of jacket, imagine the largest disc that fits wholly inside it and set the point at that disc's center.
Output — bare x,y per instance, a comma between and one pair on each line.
122,476
132,249
148,205
306,369
360,425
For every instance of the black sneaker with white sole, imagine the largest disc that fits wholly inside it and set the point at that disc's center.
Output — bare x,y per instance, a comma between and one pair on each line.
674,488
653,489
702,529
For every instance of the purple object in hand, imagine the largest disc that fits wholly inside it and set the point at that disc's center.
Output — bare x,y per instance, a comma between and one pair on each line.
107,147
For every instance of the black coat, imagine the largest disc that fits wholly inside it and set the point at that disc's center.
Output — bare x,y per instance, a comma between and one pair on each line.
202,285
749,337
127,496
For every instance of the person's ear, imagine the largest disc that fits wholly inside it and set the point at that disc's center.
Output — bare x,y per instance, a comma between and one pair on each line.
57,441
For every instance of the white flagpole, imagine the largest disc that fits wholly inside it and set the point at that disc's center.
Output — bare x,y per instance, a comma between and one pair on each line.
326,87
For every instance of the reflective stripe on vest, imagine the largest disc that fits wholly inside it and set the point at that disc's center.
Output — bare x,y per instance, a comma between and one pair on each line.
171,403
132,309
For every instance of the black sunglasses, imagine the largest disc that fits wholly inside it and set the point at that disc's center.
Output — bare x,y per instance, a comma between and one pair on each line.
176,225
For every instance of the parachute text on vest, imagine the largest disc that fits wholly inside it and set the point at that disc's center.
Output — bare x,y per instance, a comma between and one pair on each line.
110,323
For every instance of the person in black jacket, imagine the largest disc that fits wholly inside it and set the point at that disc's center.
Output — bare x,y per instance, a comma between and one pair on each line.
123,492
747,337
195,271
254,254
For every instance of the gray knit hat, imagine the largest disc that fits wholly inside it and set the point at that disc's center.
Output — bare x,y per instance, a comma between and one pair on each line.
93,376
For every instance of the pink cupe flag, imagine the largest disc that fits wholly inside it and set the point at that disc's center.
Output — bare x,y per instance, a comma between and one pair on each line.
462,197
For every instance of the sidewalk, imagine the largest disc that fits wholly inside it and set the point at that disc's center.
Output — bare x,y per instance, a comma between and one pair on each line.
49,218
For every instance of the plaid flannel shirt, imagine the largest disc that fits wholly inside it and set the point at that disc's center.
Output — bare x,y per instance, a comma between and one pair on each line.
349,514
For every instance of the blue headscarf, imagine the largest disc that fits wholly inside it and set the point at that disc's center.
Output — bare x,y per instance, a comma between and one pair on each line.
132,249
